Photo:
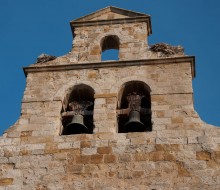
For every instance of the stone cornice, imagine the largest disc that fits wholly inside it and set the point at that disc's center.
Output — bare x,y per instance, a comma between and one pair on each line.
109,64
146,19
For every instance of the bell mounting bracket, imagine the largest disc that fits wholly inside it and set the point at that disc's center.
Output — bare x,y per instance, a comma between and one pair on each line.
134,104
78,108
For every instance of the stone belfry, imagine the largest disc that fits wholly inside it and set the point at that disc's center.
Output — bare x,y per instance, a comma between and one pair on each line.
118,124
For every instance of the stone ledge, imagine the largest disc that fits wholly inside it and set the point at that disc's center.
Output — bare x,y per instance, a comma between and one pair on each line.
109,95
111,64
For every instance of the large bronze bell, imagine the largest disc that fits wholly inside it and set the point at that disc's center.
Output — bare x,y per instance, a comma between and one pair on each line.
76,126
134,124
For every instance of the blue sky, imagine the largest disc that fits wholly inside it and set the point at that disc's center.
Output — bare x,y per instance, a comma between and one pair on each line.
29,28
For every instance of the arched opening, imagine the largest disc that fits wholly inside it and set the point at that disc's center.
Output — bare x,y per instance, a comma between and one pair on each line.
110,48
134,108
77,117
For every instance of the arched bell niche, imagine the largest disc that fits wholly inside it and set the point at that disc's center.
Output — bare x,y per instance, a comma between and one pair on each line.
110,48
134,107
77,113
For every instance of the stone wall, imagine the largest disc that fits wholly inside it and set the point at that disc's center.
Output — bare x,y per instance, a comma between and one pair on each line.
169,159
181,152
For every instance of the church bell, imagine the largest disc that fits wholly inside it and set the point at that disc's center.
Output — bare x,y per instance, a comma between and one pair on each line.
76,126
133,114
134,124
78,109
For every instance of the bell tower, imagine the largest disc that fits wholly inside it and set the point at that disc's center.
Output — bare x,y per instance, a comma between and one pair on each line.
122,124
91,95
94,96
110,28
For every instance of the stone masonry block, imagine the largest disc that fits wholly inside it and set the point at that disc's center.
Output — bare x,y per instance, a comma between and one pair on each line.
6,181
203,155
163,140
169,147
156,156
83,159
123,158
69,145
96,159
104,150
216,140
88,151
85,144
141,156
110,158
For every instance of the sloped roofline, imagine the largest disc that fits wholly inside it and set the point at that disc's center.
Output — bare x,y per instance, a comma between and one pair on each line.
108,9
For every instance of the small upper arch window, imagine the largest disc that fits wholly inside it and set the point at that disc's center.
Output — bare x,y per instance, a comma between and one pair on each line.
134,107
77,117
110,48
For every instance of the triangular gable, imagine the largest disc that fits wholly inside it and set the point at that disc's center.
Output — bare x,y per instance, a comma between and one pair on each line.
109,13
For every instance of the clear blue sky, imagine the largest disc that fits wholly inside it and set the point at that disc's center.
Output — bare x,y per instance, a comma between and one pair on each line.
29,28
